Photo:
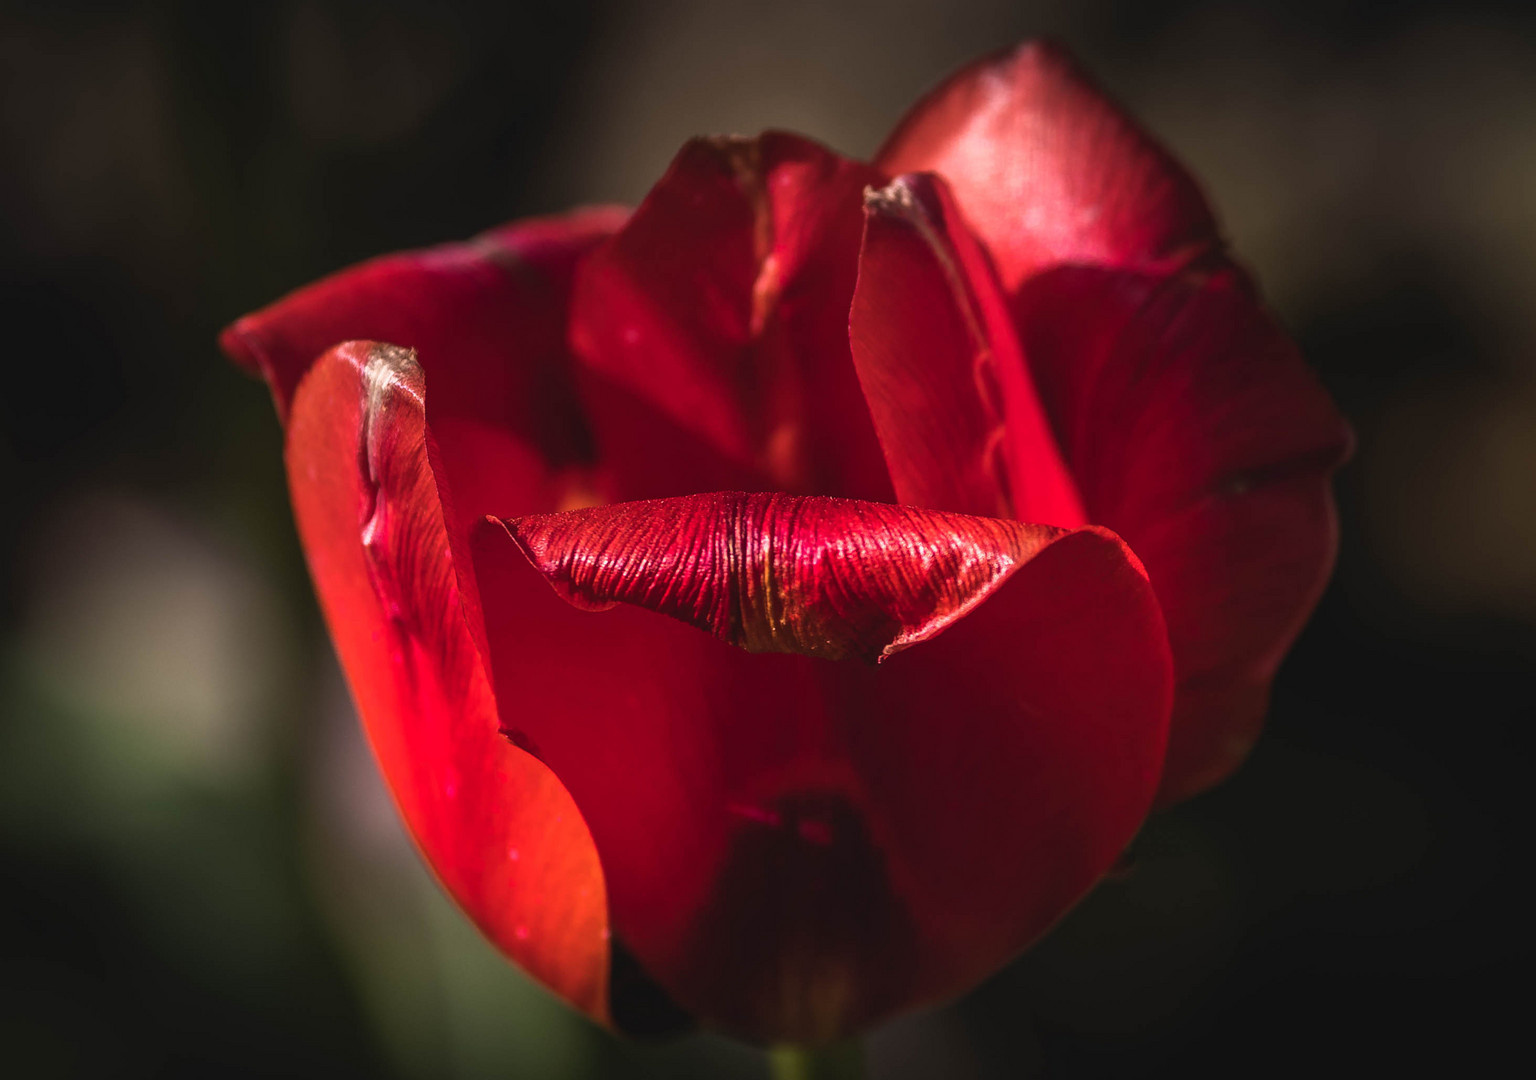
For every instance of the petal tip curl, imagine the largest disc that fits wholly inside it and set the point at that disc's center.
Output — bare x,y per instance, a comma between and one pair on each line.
766,572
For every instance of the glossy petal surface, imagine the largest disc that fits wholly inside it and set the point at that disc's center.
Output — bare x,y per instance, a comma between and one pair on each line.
1048,170
796,846
498,829
1196,431
832,578
958,416
714,327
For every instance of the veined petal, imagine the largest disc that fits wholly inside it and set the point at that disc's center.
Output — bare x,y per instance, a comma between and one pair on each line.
497,827
1197,432
796,846
714,327
833,578
959,419
1048,170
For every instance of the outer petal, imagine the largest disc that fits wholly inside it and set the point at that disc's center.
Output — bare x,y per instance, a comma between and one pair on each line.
1047,170
714,326
488,321
478,306
958,416
1197,432
795,846
499,830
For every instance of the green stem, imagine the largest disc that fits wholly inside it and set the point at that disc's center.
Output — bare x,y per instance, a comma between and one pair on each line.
834,1061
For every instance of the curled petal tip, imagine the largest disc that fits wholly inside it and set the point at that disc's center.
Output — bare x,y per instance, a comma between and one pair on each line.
824,577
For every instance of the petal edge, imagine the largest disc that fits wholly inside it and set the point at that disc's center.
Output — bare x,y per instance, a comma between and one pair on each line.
498,829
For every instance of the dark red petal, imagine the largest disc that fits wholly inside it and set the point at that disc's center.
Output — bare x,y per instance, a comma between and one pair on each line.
823,577
1048,170
715,326
474,307
796,847
496,826
959,420
1196,431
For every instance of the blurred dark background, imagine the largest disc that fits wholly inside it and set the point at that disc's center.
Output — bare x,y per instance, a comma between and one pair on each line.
199,873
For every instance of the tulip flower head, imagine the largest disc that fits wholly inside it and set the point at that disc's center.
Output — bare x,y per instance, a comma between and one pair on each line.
788,598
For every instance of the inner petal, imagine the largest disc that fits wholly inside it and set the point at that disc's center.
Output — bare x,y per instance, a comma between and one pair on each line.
723,306
930,814
958,415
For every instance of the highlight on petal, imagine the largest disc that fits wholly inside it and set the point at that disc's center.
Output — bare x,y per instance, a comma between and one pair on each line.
832,578
713,327
959,420
796,847
1048,170
496,826
1197,432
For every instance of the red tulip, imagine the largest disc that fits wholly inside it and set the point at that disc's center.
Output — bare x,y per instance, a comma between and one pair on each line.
738,575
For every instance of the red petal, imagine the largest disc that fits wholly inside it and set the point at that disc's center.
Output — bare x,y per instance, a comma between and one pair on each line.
818,577
1196,431
487,319
473,302
1048,170
715,325
497,827
960,423
796,847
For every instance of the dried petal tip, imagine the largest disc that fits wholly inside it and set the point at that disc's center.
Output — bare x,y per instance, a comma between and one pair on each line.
823,577
896,197
958,419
